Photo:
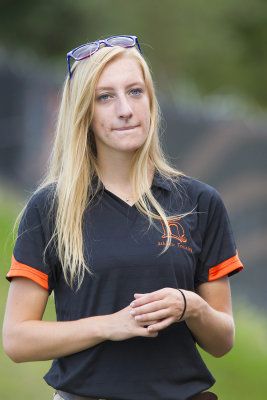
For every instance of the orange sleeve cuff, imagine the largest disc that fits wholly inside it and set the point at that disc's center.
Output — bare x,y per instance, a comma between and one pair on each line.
23,270
225,268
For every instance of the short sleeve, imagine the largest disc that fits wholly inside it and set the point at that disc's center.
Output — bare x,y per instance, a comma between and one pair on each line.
33,256
218,256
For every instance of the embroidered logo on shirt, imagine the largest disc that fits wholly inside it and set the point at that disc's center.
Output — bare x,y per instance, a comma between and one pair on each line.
177,232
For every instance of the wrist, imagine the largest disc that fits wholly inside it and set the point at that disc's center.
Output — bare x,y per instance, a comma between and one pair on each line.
185,304
101,327
196,307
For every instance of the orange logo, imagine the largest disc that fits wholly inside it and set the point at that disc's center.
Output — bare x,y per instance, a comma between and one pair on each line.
177,230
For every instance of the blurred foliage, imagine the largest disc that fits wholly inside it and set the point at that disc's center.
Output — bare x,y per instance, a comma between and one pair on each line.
220,46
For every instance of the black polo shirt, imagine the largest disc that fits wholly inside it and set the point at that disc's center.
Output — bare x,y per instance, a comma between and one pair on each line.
125,256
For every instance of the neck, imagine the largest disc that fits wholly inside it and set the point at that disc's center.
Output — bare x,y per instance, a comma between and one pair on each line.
115,174
115,170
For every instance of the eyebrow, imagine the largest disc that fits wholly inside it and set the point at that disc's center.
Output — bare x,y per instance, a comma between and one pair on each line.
103,88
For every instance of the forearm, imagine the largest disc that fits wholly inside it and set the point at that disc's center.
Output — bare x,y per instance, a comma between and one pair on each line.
213,330
44,340
37,340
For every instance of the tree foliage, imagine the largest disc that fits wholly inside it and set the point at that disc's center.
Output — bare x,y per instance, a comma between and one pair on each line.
220,46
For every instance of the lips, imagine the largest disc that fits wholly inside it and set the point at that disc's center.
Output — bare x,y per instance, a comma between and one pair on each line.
126,128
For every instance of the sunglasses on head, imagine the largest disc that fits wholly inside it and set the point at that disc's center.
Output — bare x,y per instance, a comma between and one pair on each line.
88,49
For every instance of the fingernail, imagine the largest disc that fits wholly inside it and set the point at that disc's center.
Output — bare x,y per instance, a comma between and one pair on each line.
132,304
132,312
138,317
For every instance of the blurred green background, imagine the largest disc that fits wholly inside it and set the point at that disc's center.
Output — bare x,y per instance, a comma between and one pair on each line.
209,63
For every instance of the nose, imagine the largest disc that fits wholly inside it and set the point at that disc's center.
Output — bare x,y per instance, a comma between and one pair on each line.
124,109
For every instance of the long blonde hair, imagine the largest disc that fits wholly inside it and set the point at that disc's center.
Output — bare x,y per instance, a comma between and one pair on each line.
73,163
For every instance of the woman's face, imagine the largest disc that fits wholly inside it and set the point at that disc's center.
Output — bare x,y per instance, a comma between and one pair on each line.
121,118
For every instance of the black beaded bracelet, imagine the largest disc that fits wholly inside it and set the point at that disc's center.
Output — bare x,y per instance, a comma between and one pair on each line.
184,305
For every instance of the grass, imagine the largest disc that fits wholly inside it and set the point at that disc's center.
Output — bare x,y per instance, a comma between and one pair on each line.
241,374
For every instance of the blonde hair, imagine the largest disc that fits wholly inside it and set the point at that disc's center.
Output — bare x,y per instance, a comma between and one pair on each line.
73,163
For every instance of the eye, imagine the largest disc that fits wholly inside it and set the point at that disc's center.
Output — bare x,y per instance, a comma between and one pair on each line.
136,91
103,97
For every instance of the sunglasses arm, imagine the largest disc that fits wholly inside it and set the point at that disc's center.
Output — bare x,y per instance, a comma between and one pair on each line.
139,48
68,61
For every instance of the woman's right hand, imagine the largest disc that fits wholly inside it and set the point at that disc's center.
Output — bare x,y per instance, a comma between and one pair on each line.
122,325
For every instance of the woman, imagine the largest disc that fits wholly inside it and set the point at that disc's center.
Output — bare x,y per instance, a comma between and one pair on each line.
137,254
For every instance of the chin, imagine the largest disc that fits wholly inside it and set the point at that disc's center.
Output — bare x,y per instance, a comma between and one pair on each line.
132,148
134,144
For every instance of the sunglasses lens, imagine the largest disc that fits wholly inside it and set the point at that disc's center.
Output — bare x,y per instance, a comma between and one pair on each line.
84,51
122,41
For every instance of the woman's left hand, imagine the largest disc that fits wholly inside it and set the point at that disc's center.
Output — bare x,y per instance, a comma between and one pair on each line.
208,313
164,305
